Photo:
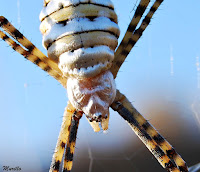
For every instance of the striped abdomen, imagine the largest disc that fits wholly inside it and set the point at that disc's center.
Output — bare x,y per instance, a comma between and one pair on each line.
81,36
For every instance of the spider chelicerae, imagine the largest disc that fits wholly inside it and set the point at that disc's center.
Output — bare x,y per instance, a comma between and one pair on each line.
120,104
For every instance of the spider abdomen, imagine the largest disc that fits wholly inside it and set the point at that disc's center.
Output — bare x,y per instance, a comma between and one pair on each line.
81,36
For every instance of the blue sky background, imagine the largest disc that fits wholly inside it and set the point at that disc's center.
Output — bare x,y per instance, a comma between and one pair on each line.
32,103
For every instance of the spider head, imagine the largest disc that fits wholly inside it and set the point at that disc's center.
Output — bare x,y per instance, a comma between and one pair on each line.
93,95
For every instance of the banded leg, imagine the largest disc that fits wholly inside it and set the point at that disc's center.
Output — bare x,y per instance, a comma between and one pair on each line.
71,142
17,35
29,51
141,8
62,138
159,147
127,44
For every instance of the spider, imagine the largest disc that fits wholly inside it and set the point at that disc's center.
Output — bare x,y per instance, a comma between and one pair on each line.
159,147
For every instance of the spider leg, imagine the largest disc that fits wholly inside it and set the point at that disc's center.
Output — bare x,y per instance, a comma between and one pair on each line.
133,24
17,35
132,36
29,51
159,147
62,138
71,142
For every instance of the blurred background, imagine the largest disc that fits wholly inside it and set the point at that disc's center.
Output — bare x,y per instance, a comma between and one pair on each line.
161,77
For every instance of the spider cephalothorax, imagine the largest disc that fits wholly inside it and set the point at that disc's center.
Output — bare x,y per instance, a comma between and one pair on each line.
81,36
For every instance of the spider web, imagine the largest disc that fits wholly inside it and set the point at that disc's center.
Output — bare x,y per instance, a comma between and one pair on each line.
172,104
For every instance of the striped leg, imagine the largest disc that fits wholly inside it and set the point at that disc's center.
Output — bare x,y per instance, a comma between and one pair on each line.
132,36
164,145
159,147
71,142
62,139
29,51
12,31
133,24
